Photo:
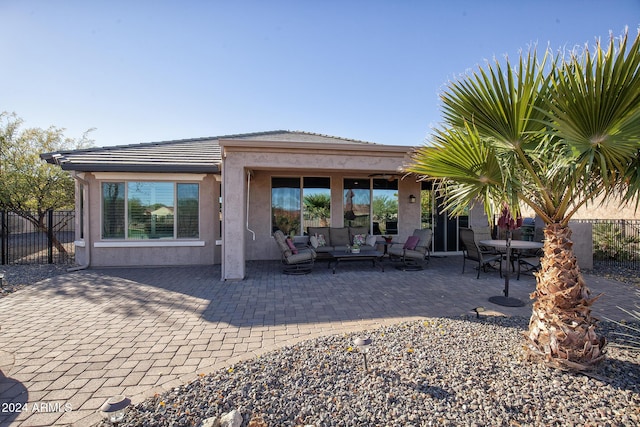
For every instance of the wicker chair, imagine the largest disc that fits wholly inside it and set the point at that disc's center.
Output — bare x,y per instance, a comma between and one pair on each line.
294,260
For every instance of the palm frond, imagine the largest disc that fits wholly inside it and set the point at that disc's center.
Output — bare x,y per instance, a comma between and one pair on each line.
595,108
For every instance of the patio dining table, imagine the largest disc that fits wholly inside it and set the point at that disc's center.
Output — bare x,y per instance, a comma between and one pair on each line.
509,245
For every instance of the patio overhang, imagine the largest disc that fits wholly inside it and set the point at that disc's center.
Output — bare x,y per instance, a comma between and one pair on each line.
239,157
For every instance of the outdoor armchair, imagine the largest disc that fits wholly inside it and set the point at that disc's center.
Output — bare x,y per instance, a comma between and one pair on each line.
295,260
471,251
414,254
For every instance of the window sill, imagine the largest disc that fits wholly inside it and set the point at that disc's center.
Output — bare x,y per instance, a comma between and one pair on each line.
148,243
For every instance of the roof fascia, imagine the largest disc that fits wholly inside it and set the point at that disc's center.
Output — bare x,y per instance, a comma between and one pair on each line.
302,147
91,167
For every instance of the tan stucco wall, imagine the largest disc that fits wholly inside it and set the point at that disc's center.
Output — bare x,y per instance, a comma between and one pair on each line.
158,252
612,209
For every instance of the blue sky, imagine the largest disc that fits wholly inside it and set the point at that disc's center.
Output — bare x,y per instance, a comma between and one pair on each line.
141,71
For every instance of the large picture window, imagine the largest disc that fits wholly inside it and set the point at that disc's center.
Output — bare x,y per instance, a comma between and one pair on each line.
150,210
298,203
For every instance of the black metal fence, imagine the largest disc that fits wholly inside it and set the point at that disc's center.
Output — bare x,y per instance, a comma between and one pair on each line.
25,242
616,242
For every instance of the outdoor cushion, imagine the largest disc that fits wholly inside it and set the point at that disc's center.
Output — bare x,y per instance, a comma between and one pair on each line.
359,239
424,236
354,231
411,243
299,257
371,240
314,241
282,244
339,237
317,231
292,246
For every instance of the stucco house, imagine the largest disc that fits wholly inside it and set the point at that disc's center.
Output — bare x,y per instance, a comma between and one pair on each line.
218,200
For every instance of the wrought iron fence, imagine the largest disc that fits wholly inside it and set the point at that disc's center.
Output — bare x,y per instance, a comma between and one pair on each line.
46,240
616,242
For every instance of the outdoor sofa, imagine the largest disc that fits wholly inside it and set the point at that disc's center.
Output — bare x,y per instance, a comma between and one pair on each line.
326,239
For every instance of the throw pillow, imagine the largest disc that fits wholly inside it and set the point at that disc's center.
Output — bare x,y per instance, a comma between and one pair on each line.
314,241
321,240
359,239
371,240
292,246
411,243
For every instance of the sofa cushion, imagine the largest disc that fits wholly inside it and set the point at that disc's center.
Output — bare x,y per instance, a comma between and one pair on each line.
371,240
318,231
313,240
339,237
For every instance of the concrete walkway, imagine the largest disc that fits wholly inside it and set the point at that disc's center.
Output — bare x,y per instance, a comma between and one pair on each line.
70,342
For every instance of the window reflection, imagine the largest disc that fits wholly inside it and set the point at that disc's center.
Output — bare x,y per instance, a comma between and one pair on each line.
316,202
357,202
150,210
385,206
285,205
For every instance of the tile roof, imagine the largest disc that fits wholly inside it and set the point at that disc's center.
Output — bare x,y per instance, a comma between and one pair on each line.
197,155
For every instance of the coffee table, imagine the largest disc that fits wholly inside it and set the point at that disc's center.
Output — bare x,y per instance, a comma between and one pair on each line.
339,256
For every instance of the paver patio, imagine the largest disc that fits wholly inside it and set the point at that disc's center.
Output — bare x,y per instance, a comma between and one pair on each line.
70,342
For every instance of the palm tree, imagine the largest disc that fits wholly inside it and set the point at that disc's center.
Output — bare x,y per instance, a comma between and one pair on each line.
552,134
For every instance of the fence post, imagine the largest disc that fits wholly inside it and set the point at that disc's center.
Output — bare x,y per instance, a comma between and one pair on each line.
50,236
4,229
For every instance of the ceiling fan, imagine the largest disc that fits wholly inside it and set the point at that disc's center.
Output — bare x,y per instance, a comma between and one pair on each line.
388,176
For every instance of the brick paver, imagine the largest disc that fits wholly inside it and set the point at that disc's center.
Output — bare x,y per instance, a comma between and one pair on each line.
72,341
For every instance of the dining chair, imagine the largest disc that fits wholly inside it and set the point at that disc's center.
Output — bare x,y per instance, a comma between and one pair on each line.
471,251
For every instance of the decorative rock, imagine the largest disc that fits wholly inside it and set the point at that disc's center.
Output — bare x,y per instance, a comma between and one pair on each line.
211,422
464,371
231,419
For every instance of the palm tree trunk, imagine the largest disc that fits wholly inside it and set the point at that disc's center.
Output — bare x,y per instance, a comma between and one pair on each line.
562,330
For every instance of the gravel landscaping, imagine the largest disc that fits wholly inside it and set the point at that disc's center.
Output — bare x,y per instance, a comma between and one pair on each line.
441,372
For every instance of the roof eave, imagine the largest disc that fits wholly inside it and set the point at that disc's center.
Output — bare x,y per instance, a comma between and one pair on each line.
91,167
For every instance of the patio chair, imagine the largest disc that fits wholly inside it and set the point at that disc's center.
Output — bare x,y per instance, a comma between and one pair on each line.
295,260
484,233
471,251
415,253
529,262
